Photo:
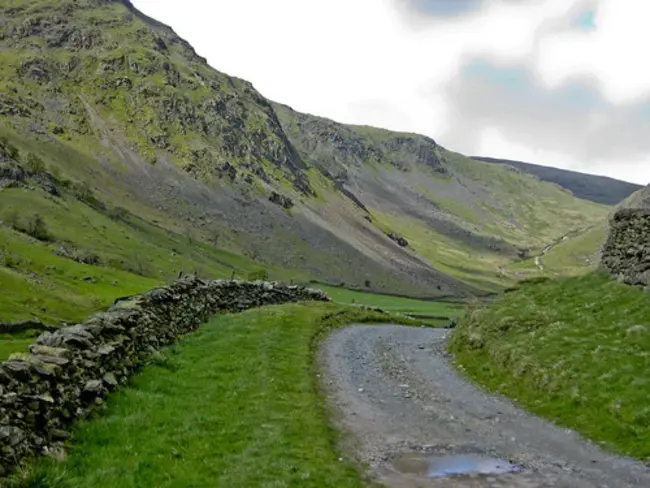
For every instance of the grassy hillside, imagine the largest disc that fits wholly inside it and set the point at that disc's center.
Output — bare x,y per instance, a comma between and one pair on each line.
599,189
86,253
113,100
467,218
236,404
574,350
140,161
579,252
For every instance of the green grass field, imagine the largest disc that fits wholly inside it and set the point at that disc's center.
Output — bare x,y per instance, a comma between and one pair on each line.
10,344
393,304
574,350
433,313
236,404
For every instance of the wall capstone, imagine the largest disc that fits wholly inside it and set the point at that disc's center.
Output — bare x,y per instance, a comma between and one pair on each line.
626,254
68,373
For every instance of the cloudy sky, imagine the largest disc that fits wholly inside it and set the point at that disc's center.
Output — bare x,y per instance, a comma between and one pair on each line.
562,83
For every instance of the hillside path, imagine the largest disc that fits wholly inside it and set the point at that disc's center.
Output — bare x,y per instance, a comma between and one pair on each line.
404,410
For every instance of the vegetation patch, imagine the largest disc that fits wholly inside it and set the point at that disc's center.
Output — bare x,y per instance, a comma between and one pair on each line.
235,404
574,350
434,312
11,343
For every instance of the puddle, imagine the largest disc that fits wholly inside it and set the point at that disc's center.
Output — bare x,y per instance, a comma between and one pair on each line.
452,464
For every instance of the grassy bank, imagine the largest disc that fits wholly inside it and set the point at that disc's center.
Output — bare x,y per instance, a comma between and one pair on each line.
574,350
235,404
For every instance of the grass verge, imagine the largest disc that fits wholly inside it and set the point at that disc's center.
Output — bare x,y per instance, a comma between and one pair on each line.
236,404
574,350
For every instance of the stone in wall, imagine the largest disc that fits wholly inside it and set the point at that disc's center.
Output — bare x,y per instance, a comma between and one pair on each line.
626,254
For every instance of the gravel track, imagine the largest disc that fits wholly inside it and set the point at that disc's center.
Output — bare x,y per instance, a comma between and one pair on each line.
395,395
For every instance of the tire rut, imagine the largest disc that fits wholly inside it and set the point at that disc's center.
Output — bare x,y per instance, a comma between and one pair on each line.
395,392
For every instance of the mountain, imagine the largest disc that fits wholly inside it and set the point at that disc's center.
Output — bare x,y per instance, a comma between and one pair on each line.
125,159
639,199
599,189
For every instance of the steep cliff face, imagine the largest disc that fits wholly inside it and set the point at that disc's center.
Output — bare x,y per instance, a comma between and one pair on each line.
66,62
127,115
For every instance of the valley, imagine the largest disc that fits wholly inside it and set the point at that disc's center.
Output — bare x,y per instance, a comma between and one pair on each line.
134,151
164,229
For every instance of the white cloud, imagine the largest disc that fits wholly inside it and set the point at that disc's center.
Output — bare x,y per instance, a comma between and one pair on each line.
614,53
494,143
373,62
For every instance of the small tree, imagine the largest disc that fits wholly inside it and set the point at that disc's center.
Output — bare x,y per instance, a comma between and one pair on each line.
55,171
260,274
13,219
84,193
118,213
8,259
37,228
35,164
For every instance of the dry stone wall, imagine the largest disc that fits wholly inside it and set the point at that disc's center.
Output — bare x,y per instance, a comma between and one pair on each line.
68,372
626,254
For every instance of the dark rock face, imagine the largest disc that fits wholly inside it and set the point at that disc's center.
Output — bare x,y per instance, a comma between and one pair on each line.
283,201
11,174
331,146
68,372
626,254
401,241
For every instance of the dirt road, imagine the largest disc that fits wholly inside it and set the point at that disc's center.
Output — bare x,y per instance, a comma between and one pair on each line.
413,420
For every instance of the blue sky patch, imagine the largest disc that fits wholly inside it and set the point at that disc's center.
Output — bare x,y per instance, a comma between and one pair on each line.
586,20
576,95
581,97
645,110
447,7
512,78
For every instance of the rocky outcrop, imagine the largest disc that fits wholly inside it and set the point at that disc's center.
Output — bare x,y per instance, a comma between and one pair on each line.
401,241
282,200
67,373
626,254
